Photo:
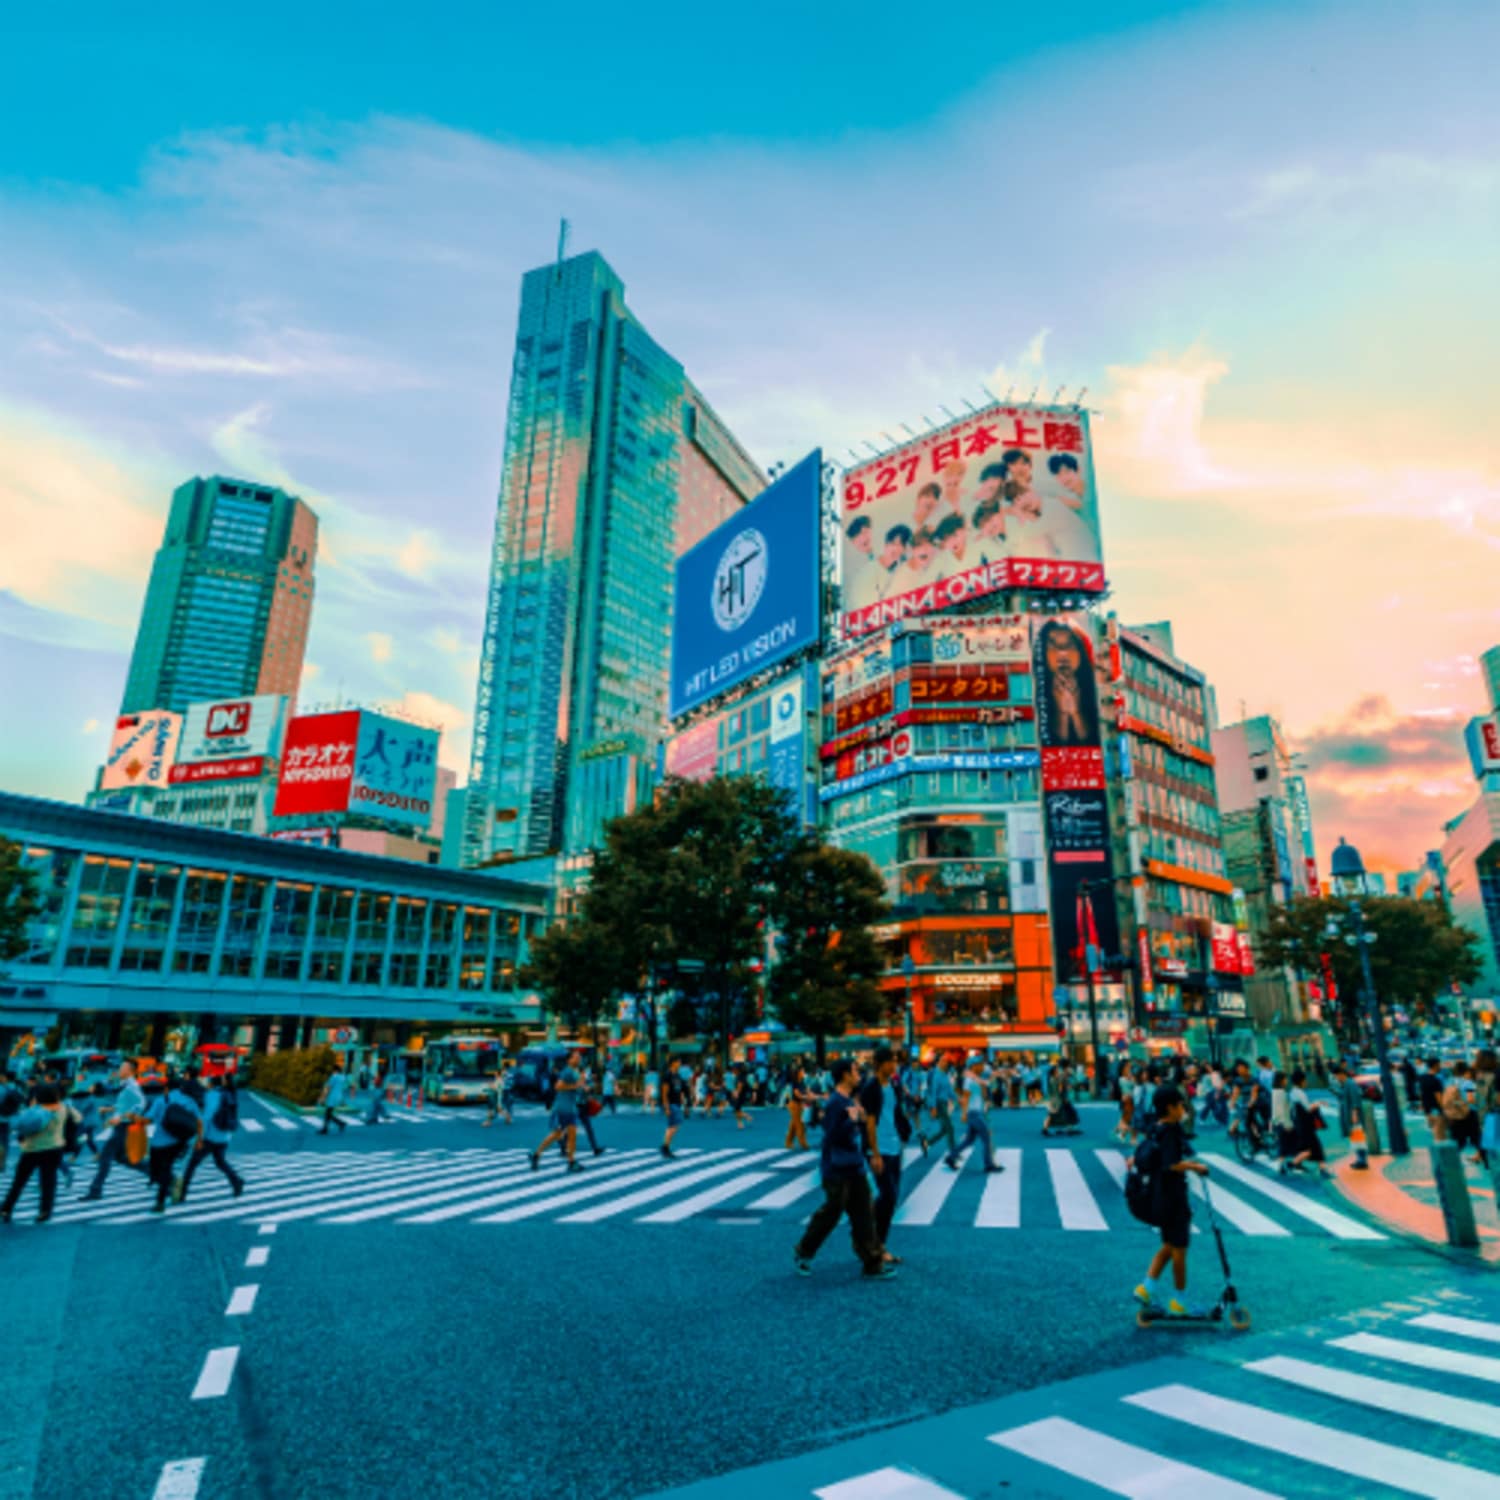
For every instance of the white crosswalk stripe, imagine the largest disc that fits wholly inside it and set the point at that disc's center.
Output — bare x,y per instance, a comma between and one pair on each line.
1078,1192
1341,1226
253,1126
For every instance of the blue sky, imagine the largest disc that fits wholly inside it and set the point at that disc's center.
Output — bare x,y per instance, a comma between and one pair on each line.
288,245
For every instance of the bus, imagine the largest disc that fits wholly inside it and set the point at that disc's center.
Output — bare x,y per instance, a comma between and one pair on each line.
461,1069
218,1059
80,1068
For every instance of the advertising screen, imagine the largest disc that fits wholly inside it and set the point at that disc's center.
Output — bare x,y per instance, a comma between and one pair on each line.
980,639
1002,499
317,764
1482,737
142,750
694,754
230,739
395,768
1074,805
747,596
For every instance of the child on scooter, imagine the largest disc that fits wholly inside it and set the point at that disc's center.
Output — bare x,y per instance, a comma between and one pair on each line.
1174,1210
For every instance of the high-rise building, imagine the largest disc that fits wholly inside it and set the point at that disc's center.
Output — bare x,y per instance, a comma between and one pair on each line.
230,598
614,465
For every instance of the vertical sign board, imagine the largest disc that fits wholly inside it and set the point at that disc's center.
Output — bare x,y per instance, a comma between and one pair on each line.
141,750
317,764
395,768
1074,806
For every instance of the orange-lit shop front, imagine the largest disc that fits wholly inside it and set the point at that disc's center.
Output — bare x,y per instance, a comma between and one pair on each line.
975,983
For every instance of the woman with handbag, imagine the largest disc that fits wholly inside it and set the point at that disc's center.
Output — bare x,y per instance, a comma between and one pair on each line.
41,1128
1306,1123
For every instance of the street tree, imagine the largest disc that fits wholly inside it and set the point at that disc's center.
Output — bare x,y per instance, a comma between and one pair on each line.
1417,952
19,903
828,962
577,972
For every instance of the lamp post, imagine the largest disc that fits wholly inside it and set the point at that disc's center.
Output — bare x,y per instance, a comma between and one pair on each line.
1348,872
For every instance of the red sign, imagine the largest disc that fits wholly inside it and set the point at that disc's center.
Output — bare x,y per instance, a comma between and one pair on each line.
317,767
967,684
227,718
867,758
1247,953
1000,713
853,712
1143,944
1226,949
242,769
1073,769
1313,888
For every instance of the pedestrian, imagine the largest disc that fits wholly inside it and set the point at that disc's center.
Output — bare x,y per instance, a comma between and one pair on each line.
221,1118
176,1120
739,1098
648,1093
1125,1095
1351,1099
609,1086
1429,1096
1171,1154
673,1091
126,1112
887,1131
1061,1117
846,1187
564,1120
1486,1105
41,1131
1457,1108
797,1100
377,1110
588,1107
12,1100
335,1092
941,1097
976,1126
90,1120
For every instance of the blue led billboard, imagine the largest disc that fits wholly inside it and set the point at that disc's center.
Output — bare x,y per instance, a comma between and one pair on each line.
747,595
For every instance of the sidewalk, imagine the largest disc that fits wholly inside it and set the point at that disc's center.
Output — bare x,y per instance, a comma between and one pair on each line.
1401,1193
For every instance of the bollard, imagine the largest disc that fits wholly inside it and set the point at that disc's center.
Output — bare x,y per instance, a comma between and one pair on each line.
1453,1194
1372,1127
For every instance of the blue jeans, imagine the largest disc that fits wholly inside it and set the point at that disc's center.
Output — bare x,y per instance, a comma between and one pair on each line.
377,1108
977,1129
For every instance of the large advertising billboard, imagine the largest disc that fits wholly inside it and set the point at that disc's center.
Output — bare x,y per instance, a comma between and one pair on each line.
747,596
230,739
1002,499
317,764
395,769
141,750
1068,692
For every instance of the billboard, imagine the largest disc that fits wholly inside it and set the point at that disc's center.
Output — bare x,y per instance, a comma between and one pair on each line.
317,764
1085,923
747,596
978,639
1482,737
1001,499
694,754
229,739
141,750
395,769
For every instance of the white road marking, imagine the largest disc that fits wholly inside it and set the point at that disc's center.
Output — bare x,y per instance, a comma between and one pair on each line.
1348,1453
1469,1328
282,1123
1341,1226
179,1480
1238,1212
253,1126
1424,1356
1120,1468
924,1202
706,1199
1000,1203
217,1372
789,1193
267,1229
242,1300
664,1189
1075,1203
886,1484
258,1256
1467,1415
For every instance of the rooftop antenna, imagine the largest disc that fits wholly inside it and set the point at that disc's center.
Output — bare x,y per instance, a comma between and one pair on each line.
988,392
1057,397
1078,399
562,240
908,430
1031,399
928,420
968,403
1010,391
947,413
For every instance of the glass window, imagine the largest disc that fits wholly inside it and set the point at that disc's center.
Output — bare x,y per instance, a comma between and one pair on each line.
52,869
100,894
247,900
409,919
372,920
198,923
985,945
474,952
440,945
330,934
291,908
150,917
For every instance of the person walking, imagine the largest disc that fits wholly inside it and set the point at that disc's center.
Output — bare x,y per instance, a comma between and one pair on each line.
335,1092
887,1130
588,1107
673,1090
609,1087
739,1097
846,1188
221,1118
941,1097
564,1119
797,1100
128,1109
12,1101
176,1121
976,1126
41,1131
377,1110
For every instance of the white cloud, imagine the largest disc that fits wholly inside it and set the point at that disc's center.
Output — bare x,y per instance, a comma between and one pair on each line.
382,647
90,726
418,553
453,721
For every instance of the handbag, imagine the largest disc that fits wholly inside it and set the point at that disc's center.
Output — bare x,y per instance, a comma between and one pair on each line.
135,1143
592,1107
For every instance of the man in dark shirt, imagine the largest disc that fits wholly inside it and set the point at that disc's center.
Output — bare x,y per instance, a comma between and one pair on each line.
673,1094
1430,1095
1173,1211
846,1188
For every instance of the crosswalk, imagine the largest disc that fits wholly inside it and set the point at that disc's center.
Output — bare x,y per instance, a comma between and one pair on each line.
1040,1188
1307,1413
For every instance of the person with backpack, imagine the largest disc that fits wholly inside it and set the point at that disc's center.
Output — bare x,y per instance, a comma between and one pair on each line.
42,1130
11,1100
1156,1192
176,1121
221,1118
1456,1105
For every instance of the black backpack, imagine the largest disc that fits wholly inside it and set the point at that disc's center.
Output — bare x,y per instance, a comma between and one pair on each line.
10,1102
1141,1182
179,1122
227,1116
70,1129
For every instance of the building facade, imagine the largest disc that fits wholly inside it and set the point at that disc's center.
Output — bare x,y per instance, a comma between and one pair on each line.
145,918
230,598
1177,909
614,464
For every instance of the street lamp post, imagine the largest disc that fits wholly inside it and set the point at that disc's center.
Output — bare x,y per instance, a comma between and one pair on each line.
1346,866
908,968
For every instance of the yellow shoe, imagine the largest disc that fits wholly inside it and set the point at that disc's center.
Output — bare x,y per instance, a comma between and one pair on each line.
1144,1297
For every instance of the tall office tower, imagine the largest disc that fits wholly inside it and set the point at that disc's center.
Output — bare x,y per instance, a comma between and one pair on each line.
614,465
230,597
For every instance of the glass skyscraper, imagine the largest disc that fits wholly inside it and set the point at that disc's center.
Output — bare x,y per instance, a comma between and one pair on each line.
230,597
614,464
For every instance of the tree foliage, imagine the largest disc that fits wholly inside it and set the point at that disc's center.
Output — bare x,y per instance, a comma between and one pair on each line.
19,903
1418,949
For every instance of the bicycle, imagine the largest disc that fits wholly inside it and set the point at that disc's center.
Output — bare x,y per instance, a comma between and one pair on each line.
1251,1139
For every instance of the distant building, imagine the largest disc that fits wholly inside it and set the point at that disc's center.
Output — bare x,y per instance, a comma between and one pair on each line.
230,598
614,464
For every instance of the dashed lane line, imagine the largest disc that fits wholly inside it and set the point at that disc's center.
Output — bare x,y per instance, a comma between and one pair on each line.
242,1300
258,1255
217,1372
179,1480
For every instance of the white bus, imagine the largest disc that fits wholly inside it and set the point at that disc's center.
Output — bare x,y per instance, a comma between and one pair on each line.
461,1069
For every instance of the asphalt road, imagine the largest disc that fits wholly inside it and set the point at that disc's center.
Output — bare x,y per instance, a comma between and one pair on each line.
540,1358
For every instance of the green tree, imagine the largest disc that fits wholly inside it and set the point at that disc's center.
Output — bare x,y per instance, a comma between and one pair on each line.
577,972
828,963
19,903
1418,949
